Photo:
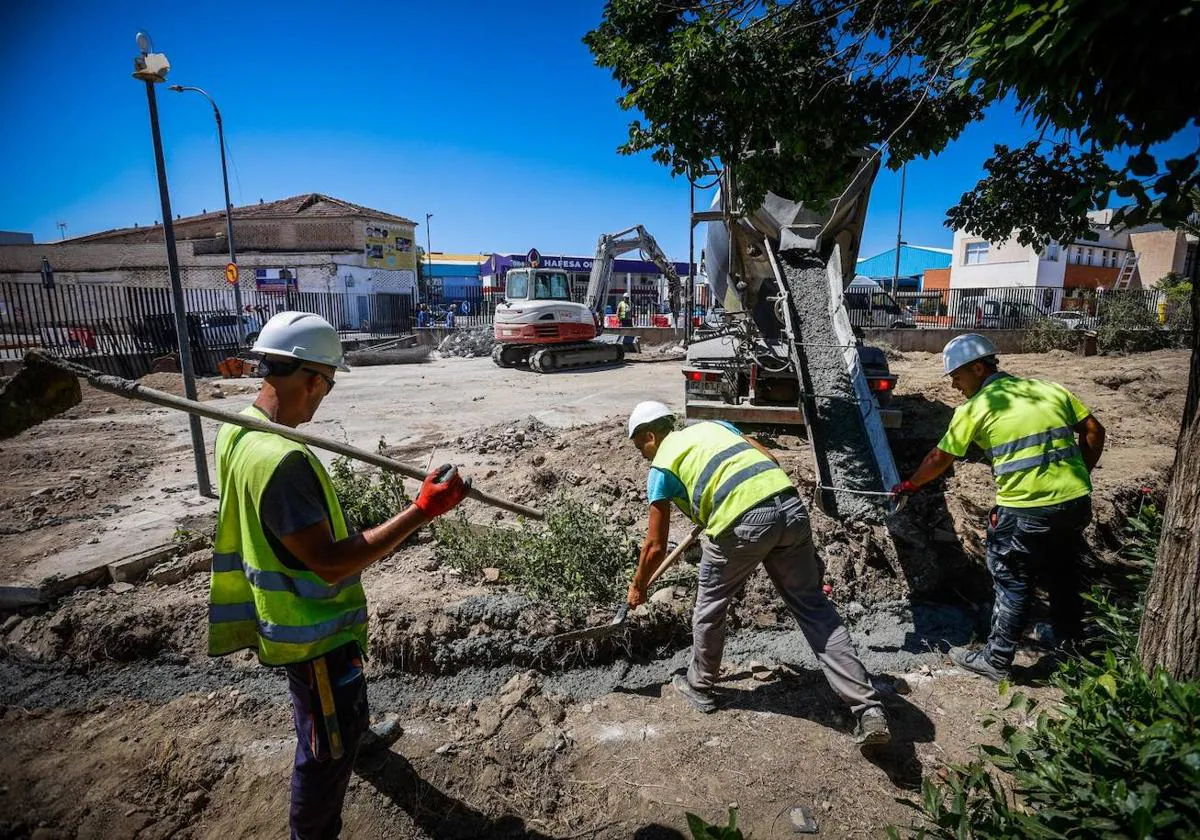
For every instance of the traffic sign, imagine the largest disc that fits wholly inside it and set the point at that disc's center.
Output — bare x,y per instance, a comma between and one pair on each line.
231,274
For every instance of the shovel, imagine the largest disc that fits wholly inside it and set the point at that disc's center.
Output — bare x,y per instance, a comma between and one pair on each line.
623,611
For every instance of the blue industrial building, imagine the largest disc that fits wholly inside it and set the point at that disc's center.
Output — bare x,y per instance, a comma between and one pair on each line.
914,260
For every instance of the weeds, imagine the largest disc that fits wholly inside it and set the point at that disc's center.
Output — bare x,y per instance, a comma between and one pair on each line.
701,829
1127,325
1046,335
1118,756
576,560
369,497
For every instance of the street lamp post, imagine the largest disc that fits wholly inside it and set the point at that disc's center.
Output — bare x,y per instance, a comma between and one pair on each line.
428,258
151,68
237,286
899,230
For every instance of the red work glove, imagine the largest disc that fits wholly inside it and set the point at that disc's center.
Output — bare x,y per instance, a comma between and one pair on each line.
905,488
441,490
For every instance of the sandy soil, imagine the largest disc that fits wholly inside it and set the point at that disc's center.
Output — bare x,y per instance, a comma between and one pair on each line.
117,724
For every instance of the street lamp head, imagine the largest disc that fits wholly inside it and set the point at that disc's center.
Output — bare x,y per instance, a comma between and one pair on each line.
176,88
144,43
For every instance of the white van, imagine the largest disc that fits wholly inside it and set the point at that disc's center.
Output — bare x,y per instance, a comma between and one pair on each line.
869,305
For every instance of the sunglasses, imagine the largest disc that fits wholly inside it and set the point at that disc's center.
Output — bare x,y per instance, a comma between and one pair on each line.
329,383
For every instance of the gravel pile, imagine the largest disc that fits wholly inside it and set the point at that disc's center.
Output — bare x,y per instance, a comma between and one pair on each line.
468,343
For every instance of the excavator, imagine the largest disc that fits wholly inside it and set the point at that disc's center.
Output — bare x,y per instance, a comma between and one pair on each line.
539,326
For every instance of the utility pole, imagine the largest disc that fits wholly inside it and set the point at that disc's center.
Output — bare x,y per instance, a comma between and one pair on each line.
899,231
237,285
152,68
428,258
62,230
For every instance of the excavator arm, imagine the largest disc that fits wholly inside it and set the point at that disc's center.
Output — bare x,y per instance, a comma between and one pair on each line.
613,245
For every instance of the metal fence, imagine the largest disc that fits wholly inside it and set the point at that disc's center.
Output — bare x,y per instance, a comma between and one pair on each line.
997,308
122,329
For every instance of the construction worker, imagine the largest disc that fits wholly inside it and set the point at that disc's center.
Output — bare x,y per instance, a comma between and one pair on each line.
285,573
1044,444
751,515
625,311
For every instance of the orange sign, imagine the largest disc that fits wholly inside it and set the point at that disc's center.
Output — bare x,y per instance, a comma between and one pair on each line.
231,273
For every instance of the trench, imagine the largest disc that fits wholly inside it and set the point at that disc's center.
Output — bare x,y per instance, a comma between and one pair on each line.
892,637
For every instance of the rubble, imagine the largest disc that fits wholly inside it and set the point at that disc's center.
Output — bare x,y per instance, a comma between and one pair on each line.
470,343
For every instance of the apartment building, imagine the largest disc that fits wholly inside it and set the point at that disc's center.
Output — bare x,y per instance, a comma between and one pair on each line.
1148,254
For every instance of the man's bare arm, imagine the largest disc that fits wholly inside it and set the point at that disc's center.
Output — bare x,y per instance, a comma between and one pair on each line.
1091,440
334,560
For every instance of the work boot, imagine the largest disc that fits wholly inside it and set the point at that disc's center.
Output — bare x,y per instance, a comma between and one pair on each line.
976,661
380,736
701,701
872,728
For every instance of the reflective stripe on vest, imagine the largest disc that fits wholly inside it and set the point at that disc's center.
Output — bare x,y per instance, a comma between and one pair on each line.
1035,461
1061,433
722,474
287,615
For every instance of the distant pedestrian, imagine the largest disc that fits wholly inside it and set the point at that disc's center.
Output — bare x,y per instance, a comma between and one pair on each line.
625,311
450,317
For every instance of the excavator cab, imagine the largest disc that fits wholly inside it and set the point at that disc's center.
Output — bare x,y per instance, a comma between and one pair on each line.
540,284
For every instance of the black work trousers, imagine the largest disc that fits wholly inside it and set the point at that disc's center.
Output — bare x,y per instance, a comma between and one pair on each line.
1028,546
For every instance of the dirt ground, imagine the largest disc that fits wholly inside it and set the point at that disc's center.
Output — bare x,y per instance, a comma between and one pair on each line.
118,725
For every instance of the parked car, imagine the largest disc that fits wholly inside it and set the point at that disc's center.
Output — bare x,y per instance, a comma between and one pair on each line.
221,330
1073,320
869,305
986,312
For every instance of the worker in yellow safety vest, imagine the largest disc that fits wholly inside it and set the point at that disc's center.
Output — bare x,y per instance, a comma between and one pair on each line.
286,564
1043,444
751,515
625,311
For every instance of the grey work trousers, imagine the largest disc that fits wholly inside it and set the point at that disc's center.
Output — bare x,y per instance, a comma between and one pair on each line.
777,534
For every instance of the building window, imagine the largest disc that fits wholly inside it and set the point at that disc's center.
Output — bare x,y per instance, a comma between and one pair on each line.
1052,252
976,253
1088,256
1077,255
1104,257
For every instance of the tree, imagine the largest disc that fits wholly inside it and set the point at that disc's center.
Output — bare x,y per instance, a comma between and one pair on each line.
778,90
1170,633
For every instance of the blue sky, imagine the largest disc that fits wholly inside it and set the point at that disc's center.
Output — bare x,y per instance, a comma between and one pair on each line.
489,115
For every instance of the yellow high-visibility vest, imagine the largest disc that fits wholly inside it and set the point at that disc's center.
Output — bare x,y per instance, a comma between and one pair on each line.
255,601
722,474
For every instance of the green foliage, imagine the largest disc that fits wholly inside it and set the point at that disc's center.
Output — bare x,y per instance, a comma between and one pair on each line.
1046,335
1118,756
577,560
772,87
369,497
701,829
1127,325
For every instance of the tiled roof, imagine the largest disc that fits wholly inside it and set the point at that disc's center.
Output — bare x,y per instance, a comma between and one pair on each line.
307,206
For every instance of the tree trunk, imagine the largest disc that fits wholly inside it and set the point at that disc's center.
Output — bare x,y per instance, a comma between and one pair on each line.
1170,633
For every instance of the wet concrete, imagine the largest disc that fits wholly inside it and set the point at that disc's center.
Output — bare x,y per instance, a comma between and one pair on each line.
892,638
837,430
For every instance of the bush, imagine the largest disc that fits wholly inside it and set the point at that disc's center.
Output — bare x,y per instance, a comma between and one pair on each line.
369,497
1128,325
576,560
1046,335
1118,756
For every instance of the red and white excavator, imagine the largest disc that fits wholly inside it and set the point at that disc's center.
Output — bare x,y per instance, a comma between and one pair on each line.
539,326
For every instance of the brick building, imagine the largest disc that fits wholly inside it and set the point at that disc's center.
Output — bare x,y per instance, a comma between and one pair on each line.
312,242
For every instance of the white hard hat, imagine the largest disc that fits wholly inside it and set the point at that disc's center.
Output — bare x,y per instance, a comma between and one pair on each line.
301,335
647,412
964,349
625,295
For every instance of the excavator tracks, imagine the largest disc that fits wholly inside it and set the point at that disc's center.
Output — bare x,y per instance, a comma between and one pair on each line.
575,356
554,358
